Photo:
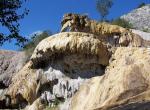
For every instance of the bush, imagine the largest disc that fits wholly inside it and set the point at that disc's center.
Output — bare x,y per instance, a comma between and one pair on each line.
141,5
51,108
33,42
146,30
122,23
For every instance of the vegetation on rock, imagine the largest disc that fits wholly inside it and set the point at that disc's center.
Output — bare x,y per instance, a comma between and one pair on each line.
141,5
122,23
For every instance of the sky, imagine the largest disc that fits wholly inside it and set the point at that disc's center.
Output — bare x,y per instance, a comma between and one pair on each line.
47,14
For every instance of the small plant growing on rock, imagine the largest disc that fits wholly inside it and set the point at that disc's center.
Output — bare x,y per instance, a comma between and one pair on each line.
122,23
146,30
55,104
141,5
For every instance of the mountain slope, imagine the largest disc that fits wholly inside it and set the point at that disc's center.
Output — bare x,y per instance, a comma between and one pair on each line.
140,18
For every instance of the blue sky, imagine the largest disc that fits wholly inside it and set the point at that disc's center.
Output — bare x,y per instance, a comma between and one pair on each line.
47,14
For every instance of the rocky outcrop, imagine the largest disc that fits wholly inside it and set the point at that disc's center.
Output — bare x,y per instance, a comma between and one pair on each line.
63,62
112,35
10,63
70,43
139,18
83,71
58,66
23,86
124,84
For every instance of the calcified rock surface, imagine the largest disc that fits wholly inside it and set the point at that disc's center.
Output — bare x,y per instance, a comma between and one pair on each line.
58,66
140,18
124,81
70,43
112,35
81,71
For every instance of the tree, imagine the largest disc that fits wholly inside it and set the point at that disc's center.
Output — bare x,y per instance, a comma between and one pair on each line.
141,5
34,41
103,7
9,18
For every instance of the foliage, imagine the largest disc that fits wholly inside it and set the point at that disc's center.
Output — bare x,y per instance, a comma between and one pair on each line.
103,7
9,18
122,23
51,108
146,30
33,42
141,5
56,103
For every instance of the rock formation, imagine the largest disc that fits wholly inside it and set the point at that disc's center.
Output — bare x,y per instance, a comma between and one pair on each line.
83,71
10,63
111,34
144,35
58,66
124,81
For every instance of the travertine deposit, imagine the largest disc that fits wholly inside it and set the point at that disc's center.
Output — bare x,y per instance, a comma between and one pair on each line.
124,83
58,66
106,68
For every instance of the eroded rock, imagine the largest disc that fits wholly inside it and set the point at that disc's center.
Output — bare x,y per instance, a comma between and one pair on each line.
125,78
70,43
58,66
112,35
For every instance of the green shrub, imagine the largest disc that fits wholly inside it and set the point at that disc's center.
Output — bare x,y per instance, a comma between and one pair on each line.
141,5
33,42
56,103
51,108
122,23
146,30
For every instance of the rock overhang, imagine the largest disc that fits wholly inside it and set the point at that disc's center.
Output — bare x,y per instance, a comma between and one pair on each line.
68,43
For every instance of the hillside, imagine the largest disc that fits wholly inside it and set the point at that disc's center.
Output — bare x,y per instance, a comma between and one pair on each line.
140,18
